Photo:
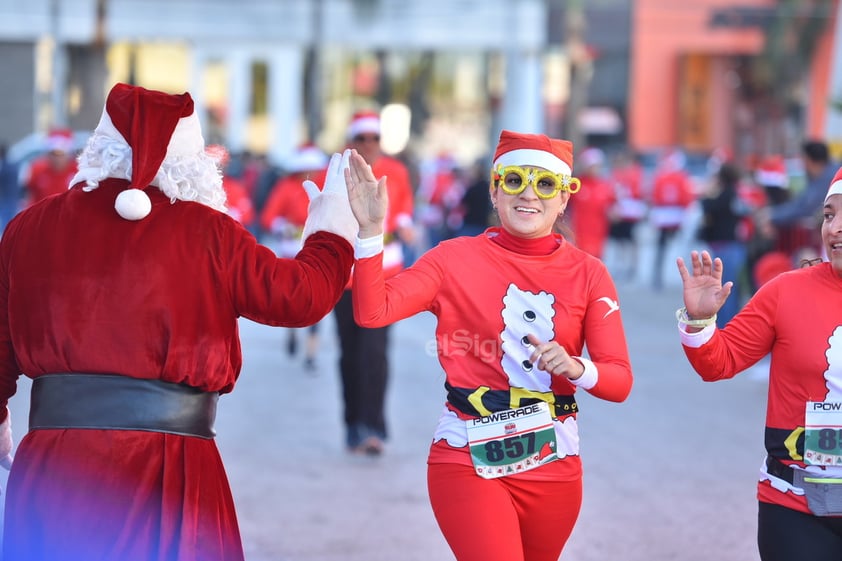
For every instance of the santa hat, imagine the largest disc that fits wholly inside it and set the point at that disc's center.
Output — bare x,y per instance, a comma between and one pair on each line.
219,153
534,150
772,172
364,122
60,140
771,265
835,185
155,125
307,157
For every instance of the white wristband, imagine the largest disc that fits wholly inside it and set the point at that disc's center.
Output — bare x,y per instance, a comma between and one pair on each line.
682,317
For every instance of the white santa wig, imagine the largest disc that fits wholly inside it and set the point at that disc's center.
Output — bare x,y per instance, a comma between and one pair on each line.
150,138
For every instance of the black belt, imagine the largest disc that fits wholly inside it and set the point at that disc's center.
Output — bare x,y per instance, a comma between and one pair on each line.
111,402
779,469
500,400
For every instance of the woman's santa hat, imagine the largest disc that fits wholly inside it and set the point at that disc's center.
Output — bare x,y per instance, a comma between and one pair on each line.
60,140
518,149
307,157
835,185
364,122
772,172
155,126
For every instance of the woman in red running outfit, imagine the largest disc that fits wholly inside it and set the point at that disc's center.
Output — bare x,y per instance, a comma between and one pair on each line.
797,318
515,306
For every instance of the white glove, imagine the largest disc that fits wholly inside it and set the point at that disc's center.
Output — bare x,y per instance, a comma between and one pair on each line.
6,441
329,209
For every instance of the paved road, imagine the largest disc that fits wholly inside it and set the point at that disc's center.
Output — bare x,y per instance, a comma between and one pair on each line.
669,474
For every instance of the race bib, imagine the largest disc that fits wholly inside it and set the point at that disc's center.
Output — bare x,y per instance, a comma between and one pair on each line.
823,433
512,441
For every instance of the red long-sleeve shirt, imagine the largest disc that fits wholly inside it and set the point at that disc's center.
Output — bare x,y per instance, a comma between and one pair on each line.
797,317
486,298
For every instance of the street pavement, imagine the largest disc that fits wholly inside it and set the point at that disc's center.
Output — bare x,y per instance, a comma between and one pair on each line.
669,474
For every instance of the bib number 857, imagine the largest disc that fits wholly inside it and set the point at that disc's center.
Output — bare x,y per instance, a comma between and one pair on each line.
513,447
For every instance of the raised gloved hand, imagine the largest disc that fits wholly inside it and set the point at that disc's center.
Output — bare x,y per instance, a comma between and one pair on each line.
329,209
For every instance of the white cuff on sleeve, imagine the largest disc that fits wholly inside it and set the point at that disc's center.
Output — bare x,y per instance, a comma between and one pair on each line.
369,247
589,377
697,339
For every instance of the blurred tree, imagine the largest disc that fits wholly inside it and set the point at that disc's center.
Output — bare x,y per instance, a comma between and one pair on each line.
313,84
88,74
581,70
792,34
773,85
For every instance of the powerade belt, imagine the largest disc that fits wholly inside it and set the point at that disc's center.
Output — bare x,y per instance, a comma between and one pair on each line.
464,399
111,402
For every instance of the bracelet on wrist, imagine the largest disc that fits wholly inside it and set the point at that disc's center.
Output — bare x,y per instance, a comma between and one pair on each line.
682,317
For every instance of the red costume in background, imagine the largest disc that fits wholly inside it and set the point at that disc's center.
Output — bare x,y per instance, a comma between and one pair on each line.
288,201
46,179
240,207
590,213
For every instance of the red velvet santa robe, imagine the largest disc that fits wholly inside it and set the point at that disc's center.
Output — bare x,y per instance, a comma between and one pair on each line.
83,290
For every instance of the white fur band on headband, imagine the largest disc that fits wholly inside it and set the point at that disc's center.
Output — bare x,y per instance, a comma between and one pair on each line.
529,157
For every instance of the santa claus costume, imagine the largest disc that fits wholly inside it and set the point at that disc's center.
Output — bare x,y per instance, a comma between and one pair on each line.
515,307
120,298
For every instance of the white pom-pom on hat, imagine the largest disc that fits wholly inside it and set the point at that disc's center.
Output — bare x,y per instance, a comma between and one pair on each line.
133,204
154,125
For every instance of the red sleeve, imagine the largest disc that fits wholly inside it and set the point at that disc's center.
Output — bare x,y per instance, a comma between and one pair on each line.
312,282
747,338
379,302
9,369
606,343
271,207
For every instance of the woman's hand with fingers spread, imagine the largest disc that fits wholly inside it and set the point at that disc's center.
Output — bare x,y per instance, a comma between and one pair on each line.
367,195
704,292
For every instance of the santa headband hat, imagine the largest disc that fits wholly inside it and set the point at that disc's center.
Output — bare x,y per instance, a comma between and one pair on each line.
60,140
364,122
534,150
835,185
307,157
155,125
772,172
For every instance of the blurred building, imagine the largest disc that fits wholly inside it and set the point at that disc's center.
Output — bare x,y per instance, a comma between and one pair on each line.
262,71
753,77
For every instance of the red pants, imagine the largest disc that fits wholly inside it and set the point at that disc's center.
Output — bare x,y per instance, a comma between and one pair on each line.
502,519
